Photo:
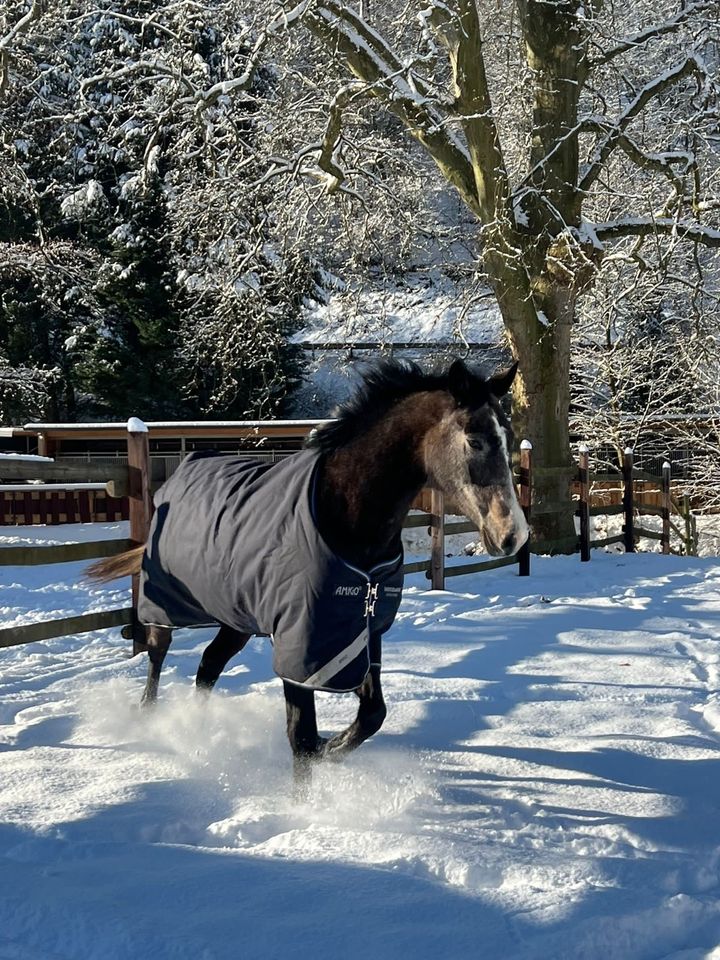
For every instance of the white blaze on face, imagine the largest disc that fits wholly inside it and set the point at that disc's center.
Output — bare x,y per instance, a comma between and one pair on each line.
516,520
493,507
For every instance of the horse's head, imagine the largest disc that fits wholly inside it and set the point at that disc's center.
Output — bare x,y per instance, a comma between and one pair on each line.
468,457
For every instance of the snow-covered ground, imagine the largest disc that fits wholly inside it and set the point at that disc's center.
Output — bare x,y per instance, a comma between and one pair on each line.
546,785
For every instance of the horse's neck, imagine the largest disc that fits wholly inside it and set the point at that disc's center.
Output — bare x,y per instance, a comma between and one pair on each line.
366,487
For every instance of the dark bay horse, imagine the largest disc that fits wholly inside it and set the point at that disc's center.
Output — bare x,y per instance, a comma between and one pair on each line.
253,547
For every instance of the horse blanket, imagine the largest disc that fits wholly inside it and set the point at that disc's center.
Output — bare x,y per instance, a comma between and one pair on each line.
234,542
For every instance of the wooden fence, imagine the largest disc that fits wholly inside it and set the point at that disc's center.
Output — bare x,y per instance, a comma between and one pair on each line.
130,482
636,491
133,482
55,503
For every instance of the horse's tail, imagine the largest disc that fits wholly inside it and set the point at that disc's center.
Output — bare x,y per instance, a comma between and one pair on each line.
121,565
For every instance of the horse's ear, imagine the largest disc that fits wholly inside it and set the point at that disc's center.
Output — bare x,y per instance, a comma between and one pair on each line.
501,382
463,384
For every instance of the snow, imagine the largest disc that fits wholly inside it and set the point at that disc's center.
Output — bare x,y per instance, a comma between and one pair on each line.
136,425
429,308
28,457
84,201
427,318
545,785
48,487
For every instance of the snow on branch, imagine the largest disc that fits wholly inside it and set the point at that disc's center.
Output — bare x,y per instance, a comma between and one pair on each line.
656,30
153,69
285,19
664,163
6,42
389,78
691,66
647,226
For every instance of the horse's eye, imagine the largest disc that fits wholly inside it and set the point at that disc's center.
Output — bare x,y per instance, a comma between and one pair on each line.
477,443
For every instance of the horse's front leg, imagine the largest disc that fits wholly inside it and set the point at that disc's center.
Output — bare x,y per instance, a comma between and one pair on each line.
370,717
302,733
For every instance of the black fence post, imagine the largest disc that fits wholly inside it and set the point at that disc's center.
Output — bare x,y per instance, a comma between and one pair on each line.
584,475
666,507
628,506
437,546
525,503
141,509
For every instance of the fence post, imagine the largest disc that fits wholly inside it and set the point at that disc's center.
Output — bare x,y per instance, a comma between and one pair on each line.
687,516
437,535
584,474
140,506
666,507
628,506
525,503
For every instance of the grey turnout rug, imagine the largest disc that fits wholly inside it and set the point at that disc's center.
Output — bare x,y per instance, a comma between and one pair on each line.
234,542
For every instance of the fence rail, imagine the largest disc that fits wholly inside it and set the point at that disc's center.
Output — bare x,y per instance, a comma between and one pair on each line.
634,484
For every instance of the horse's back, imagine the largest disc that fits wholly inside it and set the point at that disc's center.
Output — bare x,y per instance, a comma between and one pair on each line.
218,522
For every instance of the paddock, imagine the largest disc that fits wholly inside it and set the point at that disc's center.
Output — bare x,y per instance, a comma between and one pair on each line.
127,491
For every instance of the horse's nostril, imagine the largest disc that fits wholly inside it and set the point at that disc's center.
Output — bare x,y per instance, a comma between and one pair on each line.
508,544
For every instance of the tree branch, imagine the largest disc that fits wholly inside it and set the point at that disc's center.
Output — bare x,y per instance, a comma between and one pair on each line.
647,226
244,81
5,42
650,33
372,60
689,67
463,38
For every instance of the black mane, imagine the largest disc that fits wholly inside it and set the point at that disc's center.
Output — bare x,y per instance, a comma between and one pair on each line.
383,385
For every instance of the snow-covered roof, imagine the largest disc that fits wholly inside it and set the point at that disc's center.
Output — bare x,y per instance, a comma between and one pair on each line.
427,309
172,424
33,458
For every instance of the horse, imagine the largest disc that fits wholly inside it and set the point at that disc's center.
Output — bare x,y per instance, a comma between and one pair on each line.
310,547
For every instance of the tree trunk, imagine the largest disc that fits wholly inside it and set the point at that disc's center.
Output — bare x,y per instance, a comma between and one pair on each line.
541,405
538,317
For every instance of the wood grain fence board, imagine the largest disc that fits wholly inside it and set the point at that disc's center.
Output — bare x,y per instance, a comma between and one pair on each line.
52,629
480,566
62,552
437,540
417,566
650,534
609,511
461,526
584,503
525,481
608,541
70,473
417,520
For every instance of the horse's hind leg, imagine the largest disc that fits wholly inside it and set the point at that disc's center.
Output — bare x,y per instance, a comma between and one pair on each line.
158,644
215,658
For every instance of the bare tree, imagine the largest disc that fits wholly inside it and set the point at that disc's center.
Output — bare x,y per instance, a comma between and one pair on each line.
569,129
